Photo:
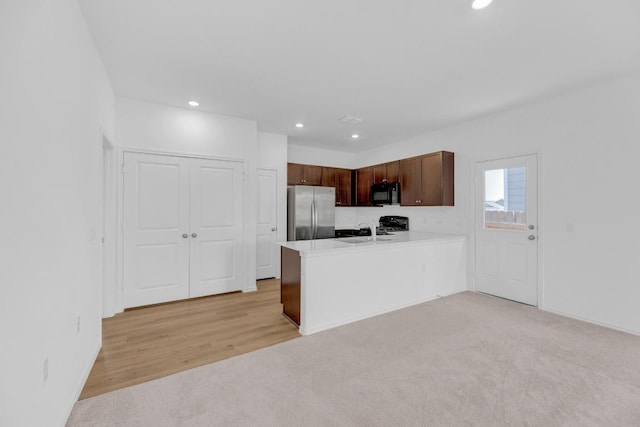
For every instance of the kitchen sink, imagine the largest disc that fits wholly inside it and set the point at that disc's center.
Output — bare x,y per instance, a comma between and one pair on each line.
367,240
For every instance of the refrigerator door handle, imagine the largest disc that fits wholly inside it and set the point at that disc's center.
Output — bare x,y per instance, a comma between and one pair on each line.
315,210
314,220
313,224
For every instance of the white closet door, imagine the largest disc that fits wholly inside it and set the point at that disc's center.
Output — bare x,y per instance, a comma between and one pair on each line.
216,227
156,216
267,250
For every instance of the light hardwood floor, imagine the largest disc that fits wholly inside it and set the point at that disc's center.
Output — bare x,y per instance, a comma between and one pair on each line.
152,342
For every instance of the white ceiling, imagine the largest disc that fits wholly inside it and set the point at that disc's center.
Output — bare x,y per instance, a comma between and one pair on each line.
404,66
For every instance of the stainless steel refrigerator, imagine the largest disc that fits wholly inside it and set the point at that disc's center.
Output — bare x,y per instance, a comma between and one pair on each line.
310,212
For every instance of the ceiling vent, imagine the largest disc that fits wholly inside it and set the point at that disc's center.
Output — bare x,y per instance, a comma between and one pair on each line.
350,119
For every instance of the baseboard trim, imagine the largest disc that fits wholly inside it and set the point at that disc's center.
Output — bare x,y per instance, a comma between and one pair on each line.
83,381
595,322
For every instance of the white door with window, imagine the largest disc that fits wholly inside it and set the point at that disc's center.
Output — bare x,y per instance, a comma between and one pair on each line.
266,256
183,228
507,228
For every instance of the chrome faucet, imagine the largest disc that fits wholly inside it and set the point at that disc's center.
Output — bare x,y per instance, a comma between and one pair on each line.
372,227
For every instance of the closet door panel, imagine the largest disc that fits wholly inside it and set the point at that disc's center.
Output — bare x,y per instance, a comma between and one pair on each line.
216,227
156,216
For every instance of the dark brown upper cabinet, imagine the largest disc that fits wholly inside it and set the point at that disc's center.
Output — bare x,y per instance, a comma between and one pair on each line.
410,181
340,179
328,177
298,174
364,180
427,180
386,172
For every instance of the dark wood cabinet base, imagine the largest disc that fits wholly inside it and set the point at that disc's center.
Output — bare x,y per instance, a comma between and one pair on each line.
290,284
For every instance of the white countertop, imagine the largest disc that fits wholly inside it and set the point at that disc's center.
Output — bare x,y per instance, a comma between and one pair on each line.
364,243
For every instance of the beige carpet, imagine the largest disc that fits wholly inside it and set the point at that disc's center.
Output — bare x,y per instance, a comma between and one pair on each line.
464,360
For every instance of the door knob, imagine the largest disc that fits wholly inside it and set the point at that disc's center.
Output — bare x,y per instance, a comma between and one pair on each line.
194,235
273,229
531,237
532,227
185,235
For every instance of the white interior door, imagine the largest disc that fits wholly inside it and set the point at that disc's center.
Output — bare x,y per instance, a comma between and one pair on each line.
267,224
216,227
507,228
156,216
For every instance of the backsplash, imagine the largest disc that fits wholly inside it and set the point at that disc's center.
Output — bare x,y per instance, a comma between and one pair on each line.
435,219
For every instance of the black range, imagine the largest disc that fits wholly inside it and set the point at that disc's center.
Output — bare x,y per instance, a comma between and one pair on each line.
388,224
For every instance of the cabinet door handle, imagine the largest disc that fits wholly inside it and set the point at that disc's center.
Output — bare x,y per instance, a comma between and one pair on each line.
194,235
185,235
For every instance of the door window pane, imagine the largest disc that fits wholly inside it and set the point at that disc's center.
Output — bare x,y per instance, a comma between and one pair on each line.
504,199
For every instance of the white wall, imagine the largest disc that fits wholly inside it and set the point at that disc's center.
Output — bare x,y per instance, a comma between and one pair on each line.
159,128
56,100
318,156
149,126
588,145
272,154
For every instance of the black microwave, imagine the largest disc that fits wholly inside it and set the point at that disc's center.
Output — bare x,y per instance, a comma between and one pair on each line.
385,193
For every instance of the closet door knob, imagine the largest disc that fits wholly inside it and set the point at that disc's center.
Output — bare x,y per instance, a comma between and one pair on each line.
194,235
185,235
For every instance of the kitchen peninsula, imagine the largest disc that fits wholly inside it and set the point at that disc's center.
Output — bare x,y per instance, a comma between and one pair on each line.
332,282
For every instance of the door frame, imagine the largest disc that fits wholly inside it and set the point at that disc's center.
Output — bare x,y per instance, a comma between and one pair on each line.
540,232
119,283
108,227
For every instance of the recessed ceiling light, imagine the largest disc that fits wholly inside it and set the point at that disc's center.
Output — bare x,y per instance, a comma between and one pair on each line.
299,125
480,4
355,136
194,103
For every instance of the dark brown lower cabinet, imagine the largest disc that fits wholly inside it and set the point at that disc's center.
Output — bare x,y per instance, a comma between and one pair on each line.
290,284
